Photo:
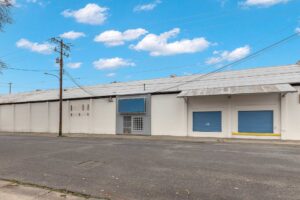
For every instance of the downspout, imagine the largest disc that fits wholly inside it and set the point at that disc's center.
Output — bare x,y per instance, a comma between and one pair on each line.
229,116
283,115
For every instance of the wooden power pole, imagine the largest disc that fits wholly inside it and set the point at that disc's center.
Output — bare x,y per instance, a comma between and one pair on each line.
63,49
10,86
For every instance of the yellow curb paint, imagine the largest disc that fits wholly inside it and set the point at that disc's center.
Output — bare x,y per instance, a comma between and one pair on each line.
257,134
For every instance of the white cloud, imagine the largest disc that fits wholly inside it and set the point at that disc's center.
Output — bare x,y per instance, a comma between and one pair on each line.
146,7
92,14
262,3
43,48
31,1
110,74
112,63
187,73
229,56
297,30
223,2
35,1
158,45
74,65
116,38
72,35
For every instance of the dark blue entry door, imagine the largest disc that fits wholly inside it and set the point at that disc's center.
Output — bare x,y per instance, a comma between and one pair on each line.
255,121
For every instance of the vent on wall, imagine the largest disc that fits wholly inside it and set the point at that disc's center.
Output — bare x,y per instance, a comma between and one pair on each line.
79,110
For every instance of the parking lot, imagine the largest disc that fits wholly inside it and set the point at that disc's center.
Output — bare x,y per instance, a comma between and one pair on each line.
138,169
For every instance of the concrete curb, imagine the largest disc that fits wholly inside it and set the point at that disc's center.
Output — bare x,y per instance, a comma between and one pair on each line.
161,138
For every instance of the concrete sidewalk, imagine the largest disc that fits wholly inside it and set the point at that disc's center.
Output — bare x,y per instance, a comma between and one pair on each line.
15,191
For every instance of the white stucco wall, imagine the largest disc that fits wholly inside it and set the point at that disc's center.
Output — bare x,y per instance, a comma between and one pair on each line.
201,104
43,117
22,118
291,116
79,116
256,102
168,115
104,116
230,107
7,118
53,117
39,117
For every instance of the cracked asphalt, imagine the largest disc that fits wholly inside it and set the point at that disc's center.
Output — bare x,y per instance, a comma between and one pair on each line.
142,169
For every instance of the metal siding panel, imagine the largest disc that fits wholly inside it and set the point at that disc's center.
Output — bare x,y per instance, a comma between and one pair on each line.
260,76
207,121
250,89
255,121
131,105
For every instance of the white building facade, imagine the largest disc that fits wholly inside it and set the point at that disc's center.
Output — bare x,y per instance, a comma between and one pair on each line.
260,103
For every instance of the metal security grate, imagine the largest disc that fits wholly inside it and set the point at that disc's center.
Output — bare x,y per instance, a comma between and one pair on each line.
127,124
138,124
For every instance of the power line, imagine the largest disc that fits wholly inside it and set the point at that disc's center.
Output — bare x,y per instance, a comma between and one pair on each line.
27,70
235,62
166,68
10,87
203,17
144,82
77,84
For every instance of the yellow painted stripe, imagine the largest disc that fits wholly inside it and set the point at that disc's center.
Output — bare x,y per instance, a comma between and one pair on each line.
257,134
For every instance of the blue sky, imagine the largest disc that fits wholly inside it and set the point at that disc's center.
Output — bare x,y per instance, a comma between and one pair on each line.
116,40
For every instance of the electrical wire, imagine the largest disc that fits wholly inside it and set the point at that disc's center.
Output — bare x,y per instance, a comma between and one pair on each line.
27,70
77,84
179,82
232,63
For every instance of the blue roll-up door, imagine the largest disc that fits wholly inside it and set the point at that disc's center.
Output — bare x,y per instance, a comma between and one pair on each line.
207,121
255,121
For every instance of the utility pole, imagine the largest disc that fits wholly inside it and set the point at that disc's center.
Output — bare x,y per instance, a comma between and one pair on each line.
10,86
63,49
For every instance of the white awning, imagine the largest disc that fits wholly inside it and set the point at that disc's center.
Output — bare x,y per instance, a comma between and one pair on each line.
251,89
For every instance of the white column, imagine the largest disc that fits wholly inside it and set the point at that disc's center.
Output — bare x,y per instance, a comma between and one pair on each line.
91,117
48,118
29,118
283,116
68,123
14,118
186,100
229,117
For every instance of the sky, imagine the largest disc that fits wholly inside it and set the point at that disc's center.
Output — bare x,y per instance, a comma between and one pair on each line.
115,40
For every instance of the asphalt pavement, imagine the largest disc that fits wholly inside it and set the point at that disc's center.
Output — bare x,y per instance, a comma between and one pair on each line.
143,169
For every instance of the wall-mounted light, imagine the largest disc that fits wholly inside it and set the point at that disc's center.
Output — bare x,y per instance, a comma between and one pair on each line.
110,99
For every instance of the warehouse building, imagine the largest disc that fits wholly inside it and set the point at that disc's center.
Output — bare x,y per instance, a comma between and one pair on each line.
253,103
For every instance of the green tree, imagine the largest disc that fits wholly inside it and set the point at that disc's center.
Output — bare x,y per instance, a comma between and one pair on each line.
5,17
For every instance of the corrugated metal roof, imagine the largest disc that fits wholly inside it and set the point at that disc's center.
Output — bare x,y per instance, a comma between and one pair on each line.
250,89
259,76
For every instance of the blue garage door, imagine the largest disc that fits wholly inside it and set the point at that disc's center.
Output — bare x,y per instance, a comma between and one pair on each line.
255,121
207,121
